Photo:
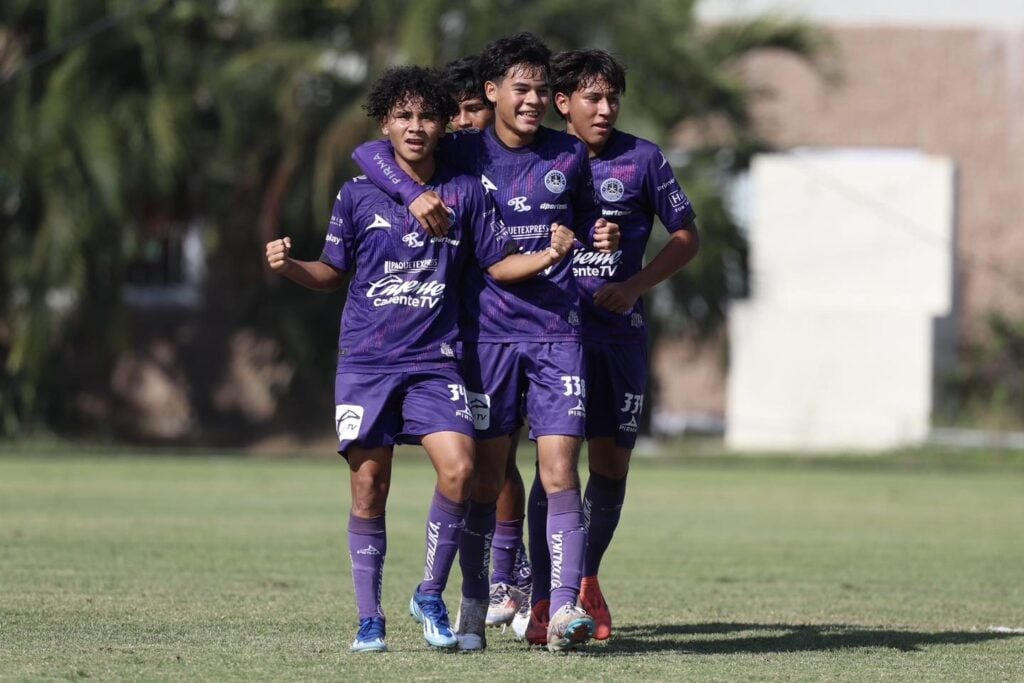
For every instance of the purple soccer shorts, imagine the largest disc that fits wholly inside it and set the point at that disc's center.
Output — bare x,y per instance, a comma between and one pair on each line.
545,378
374,410
616,382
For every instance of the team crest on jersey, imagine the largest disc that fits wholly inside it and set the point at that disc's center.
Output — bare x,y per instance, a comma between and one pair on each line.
347,421
554,180
413,240
446,350
612,190
573,319
636,320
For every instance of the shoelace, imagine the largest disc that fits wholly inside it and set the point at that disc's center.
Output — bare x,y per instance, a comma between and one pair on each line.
433,608
499,595
370,628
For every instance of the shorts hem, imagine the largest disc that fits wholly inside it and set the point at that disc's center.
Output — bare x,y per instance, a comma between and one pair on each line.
534,433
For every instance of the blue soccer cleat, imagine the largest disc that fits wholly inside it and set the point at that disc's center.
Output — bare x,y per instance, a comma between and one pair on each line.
430,611
370,637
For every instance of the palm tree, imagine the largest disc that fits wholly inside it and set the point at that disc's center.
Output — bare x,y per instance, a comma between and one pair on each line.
242,116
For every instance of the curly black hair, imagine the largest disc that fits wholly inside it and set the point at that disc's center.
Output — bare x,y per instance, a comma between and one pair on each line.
402,84
575,69
463,79
522,49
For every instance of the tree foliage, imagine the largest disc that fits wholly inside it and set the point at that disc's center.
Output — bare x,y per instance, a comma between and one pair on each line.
117,117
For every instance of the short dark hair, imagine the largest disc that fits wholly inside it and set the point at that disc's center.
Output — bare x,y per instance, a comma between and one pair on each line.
464,80
522,49
575,69
401,84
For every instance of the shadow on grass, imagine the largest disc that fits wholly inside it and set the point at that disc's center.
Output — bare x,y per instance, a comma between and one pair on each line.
716,638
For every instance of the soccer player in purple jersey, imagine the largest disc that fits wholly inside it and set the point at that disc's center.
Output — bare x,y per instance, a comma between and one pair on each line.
521,341
474,109
397,379
511,579
635,183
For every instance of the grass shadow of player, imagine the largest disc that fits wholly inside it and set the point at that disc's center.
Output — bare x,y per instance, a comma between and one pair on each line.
743,638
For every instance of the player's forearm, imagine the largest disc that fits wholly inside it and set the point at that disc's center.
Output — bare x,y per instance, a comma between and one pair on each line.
315,275
682,246
519,267
377,160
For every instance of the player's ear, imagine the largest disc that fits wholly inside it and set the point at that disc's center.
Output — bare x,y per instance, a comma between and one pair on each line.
384,126
491,90
562,102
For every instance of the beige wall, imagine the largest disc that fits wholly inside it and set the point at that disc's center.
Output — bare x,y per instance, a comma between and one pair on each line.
955,93
949,92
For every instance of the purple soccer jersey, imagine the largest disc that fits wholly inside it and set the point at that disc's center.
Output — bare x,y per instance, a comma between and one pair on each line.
402,308
634,182
545,182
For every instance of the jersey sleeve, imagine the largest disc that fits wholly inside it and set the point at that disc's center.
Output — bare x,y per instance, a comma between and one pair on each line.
491,242
377,160
340,244
666,198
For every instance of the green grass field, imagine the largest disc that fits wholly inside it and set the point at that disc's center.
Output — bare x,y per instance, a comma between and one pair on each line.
725,568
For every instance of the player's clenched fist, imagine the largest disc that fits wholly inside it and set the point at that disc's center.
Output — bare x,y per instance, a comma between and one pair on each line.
561,241
429,209
277,253
606,236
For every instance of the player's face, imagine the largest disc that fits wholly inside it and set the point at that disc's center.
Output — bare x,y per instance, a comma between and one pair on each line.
473,113
414,132
520,102
590,113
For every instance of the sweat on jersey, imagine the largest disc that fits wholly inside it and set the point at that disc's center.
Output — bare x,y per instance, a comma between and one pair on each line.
634,182
533,186
402,308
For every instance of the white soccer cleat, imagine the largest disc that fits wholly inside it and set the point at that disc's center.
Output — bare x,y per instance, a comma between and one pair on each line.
504,603
569,627
521,620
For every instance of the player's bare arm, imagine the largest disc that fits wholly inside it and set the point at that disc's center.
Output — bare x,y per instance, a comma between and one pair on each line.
519,267
310,274
432,213
606,236
620,297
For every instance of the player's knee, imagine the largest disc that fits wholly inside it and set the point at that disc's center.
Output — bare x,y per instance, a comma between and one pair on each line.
458,475
369,495
612,469
487,490
368,507
559,478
